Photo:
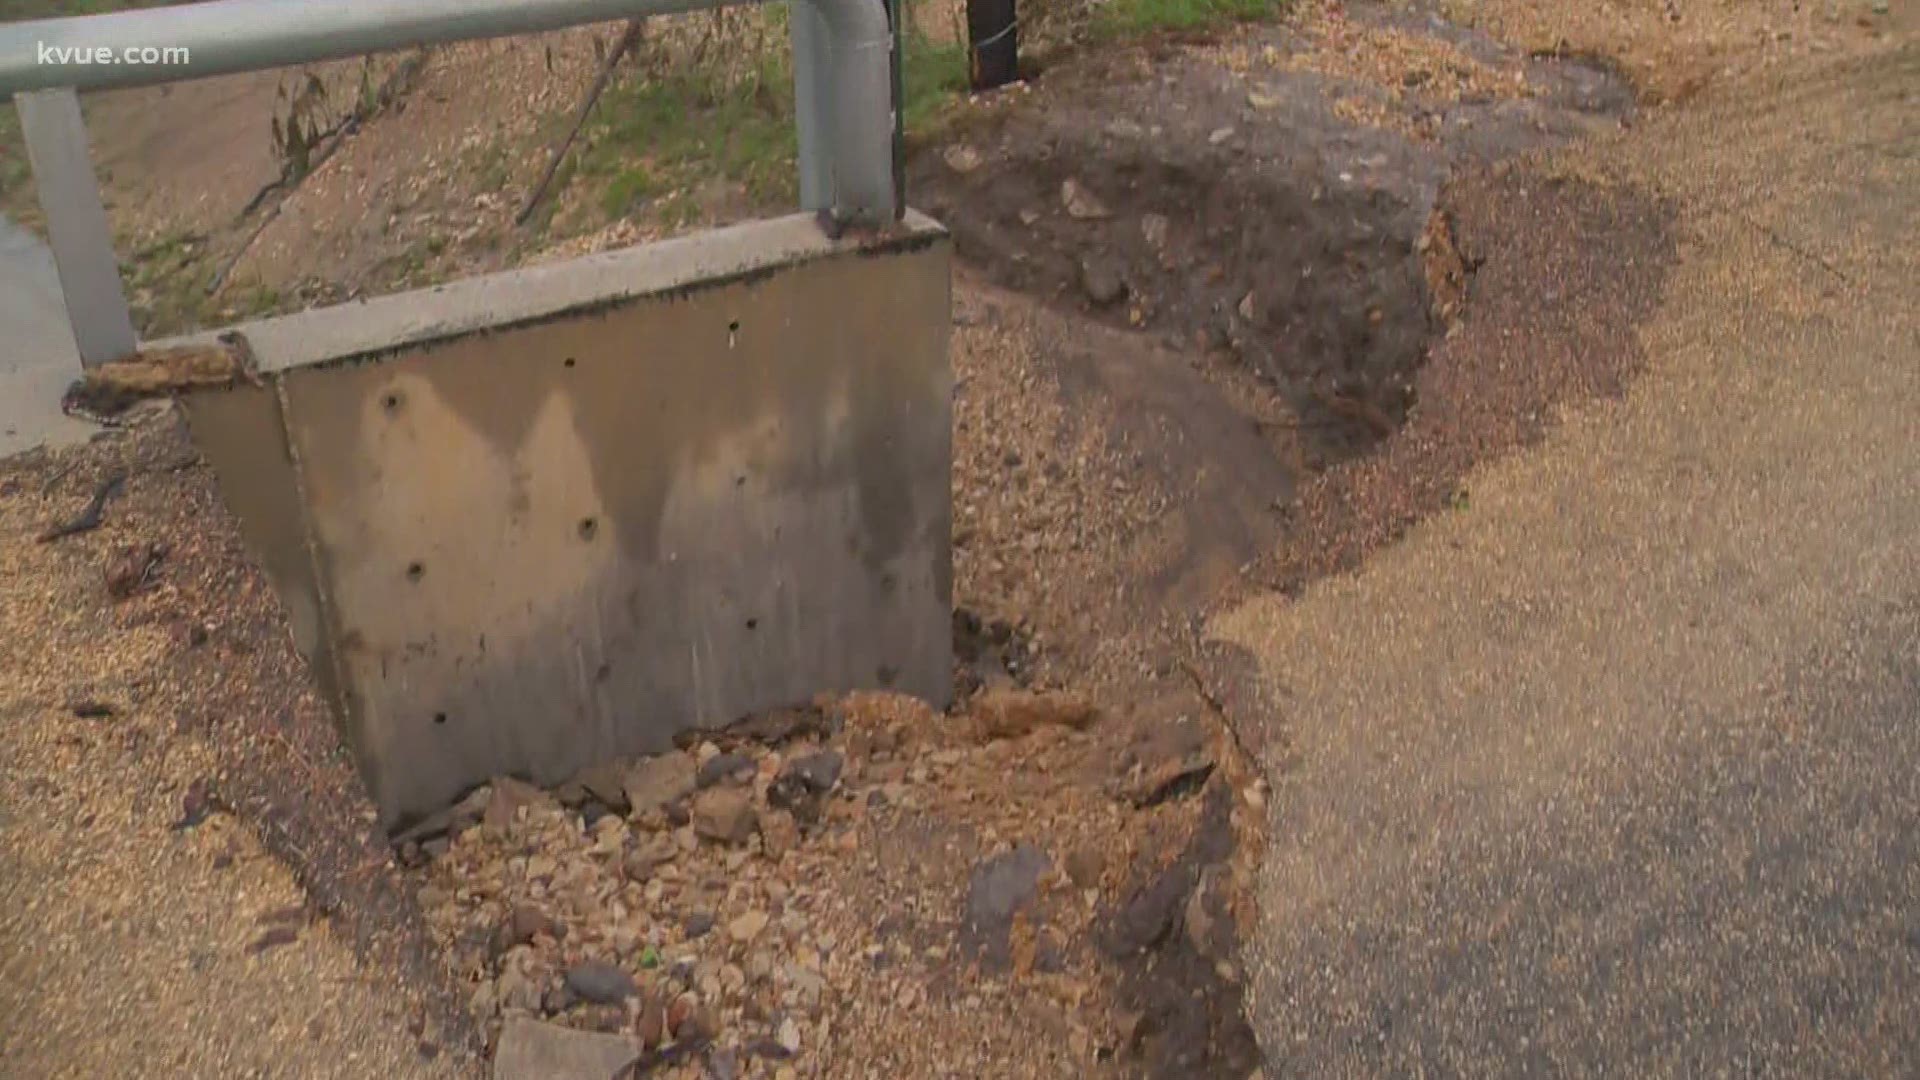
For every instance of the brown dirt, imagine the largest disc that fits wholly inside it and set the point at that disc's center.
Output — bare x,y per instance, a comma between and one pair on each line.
1672,49
1232,202
1113,475
208,707
1523,350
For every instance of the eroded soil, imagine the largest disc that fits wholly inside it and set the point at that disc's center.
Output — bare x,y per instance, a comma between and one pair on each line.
1180,355
1266,202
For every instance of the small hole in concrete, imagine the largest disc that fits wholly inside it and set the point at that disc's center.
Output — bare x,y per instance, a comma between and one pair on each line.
588,527
439,718
733,331
568,362
753,624
391,401
416,571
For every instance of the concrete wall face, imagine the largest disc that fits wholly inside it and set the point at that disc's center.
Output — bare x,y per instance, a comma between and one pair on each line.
526,549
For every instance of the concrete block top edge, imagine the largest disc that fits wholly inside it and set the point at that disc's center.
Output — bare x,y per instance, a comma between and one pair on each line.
534,294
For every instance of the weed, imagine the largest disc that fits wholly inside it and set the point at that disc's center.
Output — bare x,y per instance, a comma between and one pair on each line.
493,171
660,133
1128,18
629,190
933,73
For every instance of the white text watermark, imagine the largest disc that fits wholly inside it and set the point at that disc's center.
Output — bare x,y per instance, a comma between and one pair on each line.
105,55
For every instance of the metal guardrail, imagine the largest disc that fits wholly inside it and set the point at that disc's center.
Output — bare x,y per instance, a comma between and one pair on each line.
843,81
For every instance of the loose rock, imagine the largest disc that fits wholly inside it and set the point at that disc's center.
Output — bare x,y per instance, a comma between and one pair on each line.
1007,714
803,781
997,888
779,833
961,158
723,767
1206,916
521,927
657,781
532,1050
508,796
652,1026
132,567
1081,203
601,982
605,781
1153,228
747,927
724,814
1100,279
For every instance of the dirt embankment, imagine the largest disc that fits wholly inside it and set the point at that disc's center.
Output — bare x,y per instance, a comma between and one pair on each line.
1216,301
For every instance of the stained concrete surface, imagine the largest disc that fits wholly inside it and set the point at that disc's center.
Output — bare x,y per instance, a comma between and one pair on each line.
622,496
1613,769
37,355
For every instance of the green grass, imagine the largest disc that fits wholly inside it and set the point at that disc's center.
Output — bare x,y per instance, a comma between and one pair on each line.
932,76
657,134
1131,18
656,137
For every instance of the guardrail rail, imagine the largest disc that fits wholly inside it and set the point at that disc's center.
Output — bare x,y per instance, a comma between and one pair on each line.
844,70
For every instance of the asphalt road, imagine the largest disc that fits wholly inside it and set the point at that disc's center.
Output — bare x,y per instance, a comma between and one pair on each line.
1616,770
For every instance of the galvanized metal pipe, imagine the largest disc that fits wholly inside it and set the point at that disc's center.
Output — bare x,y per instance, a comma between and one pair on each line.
226,36
859,95
842,61
845,120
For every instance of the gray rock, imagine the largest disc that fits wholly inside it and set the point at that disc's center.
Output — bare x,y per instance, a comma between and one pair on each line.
1100,279
648,854
657,781
1152,913
601,982
723,1064
1209,927
508,797
722,767
515,991
452,821
520,928
525,923
605,781
1081,203
998,888
532,1050
558,999
819,771
803,781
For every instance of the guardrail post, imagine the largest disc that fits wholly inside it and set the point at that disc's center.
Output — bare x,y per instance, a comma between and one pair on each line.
812,116
843,97
76,225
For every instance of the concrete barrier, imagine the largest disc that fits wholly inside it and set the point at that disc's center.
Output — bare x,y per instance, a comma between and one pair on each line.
528,521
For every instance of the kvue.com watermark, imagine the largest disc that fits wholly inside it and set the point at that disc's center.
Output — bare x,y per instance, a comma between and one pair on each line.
107,55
